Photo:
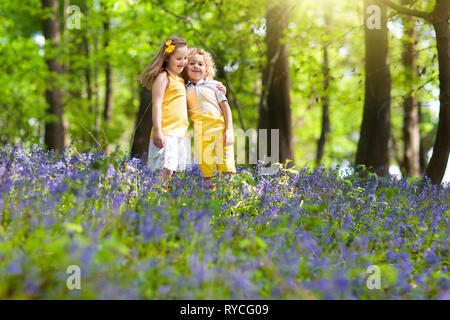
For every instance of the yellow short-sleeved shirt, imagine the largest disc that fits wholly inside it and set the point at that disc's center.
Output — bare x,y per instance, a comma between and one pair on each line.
174,116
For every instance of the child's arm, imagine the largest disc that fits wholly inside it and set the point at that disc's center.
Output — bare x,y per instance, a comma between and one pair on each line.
158,89
226,111
221,87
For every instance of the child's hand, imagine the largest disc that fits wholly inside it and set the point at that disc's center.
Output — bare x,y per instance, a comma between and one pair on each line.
158,138
222,88
229,137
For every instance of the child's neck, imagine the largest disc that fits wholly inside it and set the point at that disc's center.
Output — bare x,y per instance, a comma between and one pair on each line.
196,81
171,72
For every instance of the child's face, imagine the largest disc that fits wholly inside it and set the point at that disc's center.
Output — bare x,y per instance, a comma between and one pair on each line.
196,68
177,61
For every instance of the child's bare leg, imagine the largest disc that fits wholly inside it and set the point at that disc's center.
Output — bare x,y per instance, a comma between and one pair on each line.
166,174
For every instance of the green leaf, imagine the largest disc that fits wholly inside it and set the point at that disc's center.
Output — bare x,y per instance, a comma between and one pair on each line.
75,227
260,243
244,243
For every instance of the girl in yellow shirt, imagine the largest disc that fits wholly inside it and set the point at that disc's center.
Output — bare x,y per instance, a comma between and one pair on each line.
167,149
211,115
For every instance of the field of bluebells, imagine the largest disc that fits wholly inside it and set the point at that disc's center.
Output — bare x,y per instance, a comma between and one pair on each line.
299,234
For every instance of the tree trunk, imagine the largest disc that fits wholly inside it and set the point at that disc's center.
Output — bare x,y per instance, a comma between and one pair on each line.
411,135
439,18
75,74
143,126
107,111
87,54
422,152
438,162
54,129
275,112
98,113
87,72
375,128
66,34
325,108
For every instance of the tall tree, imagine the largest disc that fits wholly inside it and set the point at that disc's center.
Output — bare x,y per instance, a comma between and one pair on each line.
107,110
325,99
438,17
96,67
87,56
54,129
143,126
275,108
422,151
411,135
375,128
66,37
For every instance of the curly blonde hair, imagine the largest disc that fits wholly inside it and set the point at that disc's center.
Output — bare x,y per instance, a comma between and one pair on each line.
209,63
159,62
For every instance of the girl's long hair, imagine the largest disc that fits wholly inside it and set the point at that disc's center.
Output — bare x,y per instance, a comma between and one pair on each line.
209,63
159,62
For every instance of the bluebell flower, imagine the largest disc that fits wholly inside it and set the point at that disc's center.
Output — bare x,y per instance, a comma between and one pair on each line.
444,295
13,268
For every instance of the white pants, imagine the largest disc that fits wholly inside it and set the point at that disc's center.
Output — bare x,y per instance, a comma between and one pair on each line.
173,156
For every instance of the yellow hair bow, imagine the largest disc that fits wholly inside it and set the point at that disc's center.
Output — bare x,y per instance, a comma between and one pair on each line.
170,46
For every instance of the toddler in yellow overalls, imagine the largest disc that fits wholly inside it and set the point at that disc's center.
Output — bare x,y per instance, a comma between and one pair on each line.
211,115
